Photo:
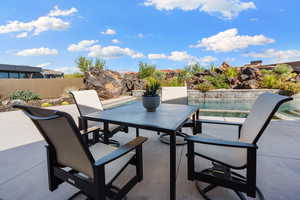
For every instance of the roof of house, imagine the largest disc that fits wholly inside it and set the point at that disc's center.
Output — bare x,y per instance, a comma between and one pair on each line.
19,68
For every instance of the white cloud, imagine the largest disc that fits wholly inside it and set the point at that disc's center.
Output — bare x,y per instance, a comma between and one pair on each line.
83,45
229,40
208,59
109,32
110,52
227,9
37,52
39,25
179,56
43,65
22,35
157,56
115,41
57,12
106,52
277,55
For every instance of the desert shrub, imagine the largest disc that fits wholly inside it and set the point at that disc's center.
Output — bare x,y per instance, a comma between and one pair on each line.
100,63
64,103
74,75
174,82
184,75
194,68
84,63
266,72
270,81
158,75
204,87
231,72
146,70
283,69
46,104
289,88
219,82
25,95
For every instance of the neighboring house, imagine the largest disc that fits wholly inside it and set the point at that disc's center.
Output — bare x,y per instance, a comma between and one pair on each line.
25,72
48,73
19,71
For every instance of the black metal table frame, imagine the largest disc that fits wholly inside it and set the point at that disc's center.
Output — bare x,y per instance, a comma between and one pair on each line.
172,134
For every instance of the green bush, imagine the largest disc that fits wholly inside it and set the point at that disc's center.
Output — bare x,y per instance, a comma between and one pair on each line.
283,69
84,63
158,75
231,72
146,70
219,82
24,95
100,63
46,104
194,68
174,82
266,72
204,87
289,88
270,81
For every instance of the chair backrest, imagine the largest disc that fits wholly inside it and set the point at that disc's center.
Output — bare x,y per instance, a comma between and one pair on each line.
60,132
260,116
87,101
174,95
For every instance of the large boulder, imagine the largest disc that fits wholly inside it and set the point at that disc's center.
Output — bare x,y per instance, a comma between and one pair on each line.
248,84
107,83
132,82
249,73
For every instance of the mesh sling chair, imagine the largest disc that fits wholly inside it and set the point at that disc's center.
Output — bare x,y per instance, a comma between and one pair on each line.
90,169
234,155
176,95
87,101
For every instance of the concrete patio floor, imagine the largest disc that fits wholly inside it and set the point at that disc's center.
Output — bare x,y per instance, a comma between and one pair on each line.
23,172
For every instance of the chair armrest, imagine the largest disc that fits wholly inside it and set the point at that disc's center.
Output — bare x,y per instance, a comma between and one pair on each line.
137,142
219,122
218,142
90,130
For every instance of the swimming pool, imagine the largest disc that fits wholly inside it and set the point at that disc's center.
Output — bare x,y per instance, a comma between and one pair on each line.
239,107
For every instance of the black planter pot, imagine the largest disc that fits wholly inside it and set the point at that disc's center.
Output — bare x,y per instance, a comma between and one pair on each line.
151,103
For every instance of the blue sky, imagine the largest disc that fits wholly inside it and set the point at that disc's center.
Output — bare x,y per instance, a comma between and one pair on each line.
168,33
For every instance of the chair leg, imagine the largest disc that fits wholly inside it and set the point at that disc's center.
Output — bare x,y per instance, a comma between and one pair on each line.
165,138
205,190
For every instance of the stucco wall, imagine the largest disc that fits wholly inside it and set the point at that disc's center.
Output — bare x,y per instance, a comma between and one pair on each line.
47,88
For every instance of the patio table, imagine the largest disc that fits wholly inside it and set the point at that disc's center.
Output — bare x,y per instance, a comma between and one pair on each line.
168,118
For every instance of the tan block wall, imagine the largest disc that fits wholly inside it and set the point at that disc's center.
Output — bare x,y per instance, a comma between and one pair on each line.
46,88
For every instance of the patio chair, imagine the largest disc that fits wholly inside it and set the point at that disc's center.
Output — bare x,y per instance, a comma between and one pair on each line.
175,95
87,102
234,155
93,169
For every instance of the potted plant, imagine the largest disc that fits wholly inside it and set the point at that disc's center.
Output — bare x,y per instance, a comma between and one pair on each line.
151,99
